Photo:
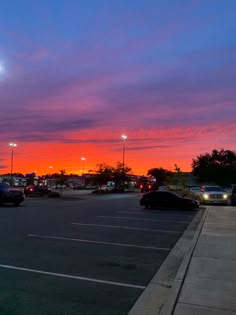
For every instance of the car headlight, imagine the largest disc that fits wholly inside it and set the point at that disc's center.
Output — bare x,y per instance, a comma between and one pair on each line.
225,196
205,196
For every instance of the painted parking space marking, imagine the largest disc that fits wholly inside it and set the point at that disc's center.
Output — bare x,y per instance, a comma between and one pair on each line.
62,275
189,216
97,242
126,228
141,219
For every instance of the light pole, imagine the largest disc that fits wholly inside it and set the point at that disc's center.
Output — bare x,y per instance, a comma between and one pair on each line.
12,145
124,137
83,159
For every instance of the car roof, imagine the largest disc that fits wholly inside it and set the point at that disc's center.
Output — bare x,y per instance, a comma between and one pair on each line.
160,192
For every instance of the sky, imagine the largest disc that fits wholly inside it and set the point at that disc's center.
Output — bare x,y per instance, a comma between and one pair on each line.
76,75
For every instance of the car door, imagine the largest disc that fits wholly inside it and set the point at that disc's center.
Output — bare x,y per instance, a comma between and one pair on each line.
160,199
169,200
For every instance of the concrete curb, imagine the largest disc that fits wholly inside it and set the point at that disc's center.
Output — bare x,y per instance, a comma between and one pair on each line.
169,306
161,294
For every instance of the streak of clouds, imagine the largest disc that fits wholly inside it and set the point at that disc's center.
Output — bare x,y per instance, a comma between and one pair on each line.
77,75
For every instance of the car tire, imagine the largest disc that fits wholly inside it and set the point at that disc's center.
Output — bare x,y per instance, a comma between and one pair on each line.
16,204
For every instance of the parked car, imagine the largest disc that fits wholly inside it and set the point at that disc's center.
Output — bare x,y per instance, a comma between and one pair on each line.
213,194
106,188
147,186
163,188
36,189
233,195
168,200
78,187
10,195
195,190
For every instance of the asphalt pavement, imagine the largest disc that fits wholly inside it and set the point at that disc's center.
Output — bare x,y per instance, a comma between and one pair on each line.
87,254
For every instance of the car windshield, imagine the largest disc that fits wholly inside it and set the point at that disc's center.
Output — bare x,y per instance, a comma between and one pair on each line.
213,188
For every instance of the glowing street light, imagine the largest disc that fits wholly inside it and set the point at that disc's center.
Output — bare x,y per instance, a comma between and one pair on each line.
83,159
124,137
12,145
2,69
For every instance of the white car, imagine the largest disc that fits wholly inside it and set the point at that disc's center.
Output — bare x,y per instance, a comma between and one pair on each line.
106,188
213,195
195,190
163,188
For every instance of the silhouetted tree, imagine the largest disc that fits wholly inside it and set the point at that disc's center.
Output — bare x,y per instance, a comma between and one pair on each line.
176,178
61,180
107,173
161,175
103,174
217,166
120,174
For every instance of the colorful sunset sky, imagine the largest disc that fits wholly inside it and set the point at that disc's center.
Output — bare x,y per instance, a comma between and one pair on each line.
75,75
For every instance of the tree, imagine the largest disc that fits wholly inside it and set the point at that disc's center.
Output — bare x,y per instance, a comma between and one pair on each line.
61,180
107,173
218,167
176,178
120,174
103,174
161,175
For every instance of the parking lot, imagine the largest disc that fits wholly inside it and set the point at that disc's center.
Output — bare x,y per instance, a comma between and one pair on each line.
82,254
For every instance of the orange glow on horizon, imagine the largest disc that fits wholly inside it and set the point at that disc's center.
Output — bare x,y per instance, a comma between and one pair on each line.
144,149
51,158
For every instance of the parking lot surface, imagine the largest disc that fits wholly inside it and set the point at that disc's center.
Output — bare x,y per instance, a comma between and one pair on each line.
87,255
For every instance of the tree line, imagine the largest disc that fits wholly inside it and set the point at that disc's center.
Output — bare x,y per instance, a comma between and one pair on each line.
218,166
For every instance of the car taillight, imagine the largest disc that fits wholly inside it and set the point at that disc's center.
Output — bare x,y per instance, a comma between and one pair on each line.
31,189
141,186
149,186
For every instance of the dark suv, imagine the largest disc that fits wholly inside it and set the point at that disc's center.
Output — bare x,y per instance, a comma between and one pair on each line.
10,195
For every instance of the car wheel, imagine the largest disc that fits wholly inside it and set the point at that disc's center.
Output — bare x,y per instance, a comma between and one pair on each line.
16,203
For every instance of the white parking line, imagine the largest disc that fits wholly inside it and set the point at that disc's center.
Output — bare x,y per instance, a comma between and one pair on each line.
153,214
141,219
126,228
97,242
73,277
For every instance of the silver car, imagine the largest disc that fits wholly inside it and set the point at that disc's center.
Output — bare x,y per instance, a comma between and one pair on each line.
213,195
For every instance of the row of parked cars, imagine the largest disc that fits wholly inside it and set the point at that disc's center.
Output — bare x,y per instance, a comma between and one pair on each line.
207,194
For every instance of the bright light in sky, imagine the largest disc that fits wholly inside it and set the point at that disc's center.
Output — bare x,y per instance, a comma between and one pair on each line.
2,69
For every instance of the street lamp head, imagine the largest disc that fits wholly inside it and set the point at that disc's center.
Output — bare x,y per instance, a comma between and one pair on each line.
83,158
124,137
12,144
